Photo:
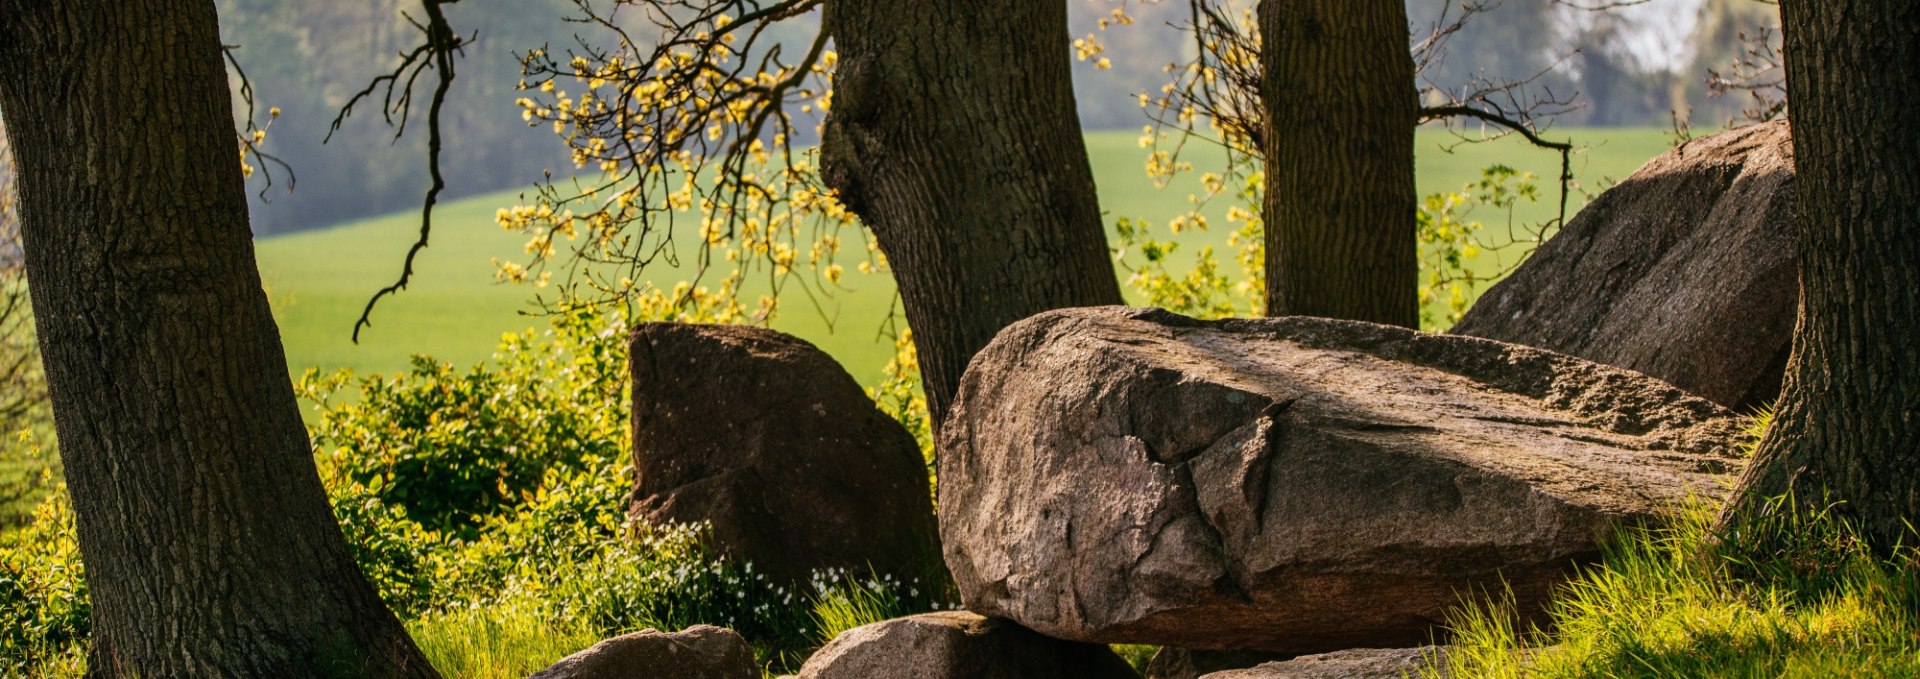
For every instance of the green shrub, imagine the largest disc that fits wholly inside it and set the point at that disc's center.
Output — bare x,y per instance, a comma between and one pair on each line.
549,540
489,508
452,448
44,614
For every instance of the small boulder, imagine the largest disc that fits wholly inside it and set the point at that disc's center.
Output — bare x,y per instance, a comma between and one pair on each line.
1294,485
1187,663
1360,663
768,439
1685,271
698,652
959,645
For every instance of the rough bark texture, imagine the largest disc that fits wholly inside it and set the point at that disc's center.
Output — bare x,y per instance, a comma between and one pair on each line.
766,438
1294,485
1847,427
954,137
697,652
1341,109
959,645
1685,271
209,545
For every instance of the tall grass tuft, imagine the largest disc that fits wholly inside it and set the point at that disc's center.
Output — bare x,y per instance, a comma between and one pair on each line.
1685,601
842,602
499,642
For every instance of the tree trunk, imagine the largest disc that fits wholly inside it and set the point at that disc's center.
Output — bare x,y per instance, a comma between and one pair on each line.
209,545
954,137
1341,109
1847,426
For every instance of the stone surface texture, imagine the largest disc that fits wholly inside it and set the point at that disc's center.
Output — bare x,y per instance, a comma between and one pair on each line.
1363,663
1294,485
768,439
698,652
1684,271
959,645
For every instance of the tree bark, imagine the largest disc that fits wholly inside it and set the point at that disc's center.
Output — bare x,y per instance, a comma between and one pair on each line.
1847,425
1341,109
209,545
954,136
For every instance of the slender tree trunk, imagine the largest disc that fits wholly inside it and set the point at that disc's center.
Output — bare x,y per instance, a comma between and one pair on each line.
1341,109
954,137
209,545
1847,426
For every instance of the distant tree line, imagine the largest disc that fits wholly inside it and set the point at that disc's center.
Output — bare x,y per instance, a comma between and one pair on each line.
309,58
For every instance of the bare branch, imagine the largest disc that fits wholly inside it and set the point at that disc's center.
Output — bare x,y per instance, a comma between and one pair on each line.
438,51
253,134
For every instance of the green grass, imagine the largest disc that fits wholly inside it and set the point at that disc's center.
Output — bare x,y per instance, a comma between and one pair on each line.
498,642
453,310
1785,595
1665,603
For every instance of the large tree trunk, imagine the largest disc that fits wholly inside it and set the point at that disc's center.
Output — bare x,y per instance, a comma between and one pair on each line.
1341,108
1847,426
954,137
209,545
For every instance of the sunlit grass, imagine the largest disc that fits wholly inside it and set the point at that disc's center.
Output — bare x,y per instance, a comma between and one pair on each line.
1679,602
497,642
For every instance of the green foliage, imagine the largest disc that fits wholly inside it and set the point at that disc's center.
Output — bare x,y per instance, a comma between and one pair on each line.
451,448
1449,242
44,613
901,397
843,602
1808,599
499,642
1203,292
490,507
1451,273
26,422
1137,655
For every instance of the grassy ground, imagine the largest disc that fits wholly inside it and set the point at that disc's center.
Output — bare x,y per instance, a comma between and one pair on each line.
319,280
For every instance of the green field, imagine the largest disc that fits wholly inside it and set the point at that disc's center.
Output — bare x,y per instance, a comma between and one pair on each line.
318,280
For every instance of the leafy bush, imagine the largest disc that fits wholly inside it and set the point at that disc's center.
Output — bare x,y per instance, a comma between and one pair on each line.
480,500
44,613
489,508
451,449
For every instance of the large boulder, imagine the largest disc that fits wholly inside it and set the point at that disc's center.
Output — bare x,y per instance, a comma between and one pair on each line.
1187,663
959,645
698,652
1685,271
769,440
1293,484
1359,663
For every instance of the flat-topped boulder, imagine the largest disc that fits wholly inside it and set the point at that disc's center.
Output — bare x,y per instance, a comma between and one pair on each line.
1684,271
698,652
1186,663
1294,485
1360,663
770,441
959,645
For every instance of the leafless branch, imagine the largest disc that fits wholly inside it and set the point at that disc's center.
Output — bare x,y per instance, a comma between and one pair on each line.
1760,72
438,51
253,133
